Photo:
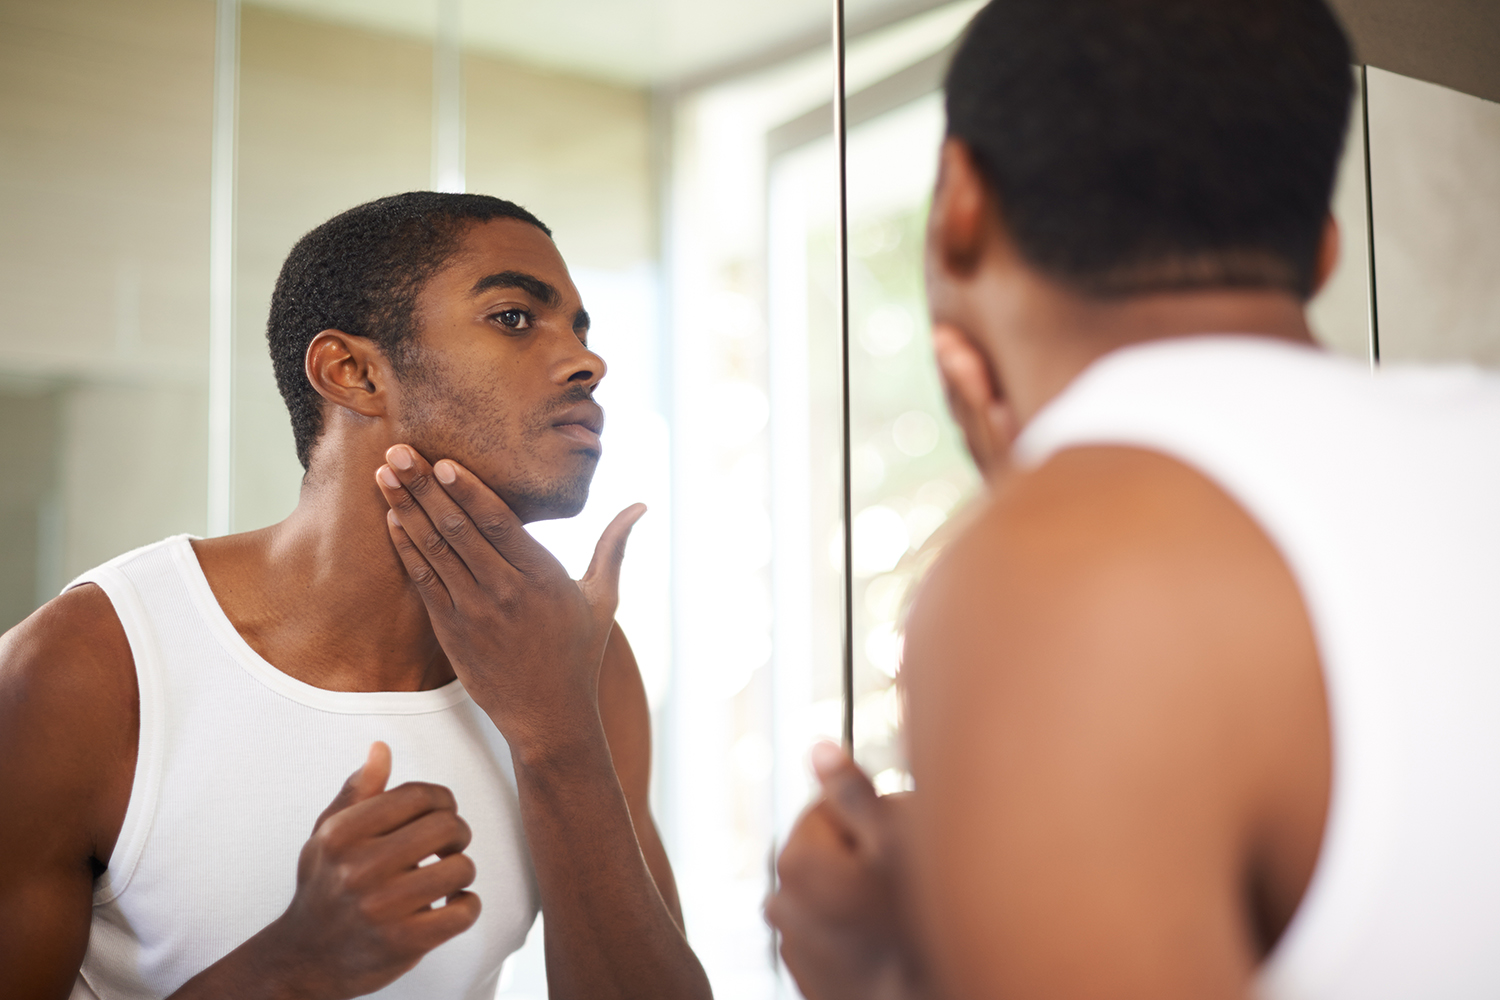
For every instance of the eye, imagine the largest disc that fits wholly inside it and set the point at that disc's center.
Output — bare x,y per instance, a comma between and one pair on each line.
513,319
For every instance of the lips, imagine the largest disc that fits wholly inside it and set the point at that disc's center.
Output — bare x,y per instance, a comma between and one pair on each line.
582,421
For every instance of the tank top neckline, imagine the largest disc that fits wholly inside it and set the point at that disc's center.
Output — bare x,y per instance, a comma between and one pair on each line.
1031,448
322,699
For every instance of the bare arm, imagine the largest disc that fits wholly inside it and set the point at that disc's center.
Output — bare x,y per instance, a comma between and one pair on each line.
591,857
1119,736
627,726
68,719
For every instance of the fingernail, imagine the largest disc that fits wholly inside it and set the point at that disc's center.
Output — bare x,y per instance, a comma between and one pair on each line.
400,457
388,477
445,472
826,758
392,519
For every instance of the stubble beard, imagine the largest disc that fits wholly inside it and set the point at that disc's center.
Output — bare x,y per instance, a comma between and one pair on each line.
447,419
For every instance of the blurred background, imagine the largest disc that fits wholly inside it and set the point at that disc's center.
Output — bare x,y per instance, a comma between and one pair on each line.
158,158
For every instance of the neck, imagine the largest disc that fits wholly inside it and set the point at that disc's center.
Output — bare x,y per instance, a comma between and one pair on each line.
1041,337
323,596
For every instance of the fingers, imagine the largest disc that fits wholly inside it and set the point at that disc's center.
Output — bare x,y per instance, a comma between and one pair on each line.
602,580
851,799
386,812
364,783
429,583
496,523
376,771
428,929
442,832
418,888
838,906
436,526
817,855
978,405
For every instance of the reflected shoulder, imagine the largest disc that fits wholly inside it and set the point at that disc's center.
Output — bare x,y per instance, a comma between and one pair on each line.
1115,645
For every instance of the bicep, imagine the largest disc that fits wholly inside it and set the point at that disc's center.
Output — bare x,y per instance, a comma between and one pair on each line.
626,716
45,911
66,698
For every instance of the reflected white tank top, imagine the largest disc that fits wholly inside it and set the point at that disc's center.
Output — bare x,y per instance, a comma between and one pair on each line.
1382,493
236,760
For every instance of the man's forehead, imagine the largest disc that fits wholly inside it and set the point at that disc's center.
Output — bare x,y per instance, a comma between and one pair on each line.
507,246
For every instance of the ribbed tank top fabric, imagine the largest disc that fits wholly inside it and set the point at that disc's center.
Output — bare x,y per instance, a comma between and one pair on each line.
235,762
1382,494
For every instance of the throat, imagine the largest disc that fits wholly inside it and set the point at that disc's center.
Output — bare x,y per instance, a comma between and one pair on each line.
337,613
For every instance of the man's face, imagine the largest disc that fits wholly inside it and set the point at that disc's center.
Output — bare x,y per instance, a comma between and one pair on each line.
501,379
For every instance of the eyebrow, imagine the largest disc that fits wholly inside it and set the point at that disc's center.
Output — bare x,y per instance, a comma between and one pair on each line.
528,283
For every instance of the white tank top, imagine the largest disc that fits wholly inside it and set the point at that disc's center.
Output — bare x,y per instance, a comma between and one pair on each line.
235,762
1383,495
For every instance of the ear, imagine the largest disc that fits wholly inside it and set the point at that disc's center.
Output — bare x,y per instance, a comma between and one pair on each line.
1328,253
348,371
960,207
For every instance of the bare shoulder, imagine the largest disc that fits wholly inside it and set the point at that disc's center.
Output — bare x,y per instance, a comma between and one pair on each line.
68,722
1115,540
69,714
1117,714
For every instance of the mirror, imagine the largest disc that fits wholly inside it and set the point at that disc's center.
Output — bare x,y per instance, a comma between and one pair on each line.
107,117
162,159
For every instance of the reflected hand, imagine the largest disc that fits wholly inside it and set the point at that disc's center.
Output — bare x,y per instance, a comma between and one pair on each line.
525,638
842,906
978,405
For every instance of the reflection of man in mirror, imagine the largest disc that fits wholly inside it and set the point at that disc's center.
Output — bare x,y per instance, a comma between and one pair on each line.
1206,701
175,728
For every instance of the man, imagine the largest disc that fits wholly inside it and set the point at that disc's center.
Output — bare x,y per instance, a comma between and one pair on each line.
174,729
1206,700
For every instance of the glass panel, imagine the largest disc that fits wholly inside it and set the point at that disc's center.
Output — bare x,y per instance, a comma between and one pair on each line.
728,705
331,114
640,139
756,445
1340,312
909,468
1433,156
105,119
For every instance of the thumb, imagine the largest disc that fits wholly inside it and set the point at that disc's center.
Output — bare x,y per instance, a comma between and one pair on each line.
602,581
850,797
365,783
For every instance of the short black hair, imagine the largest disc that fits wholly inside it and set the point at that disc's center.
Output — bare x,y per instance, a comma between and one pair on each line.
1145,145
361,272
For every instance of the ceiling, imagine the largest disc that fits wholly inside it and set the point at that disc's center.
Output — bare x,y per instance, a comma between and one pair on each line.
634,42
655,42
1452,42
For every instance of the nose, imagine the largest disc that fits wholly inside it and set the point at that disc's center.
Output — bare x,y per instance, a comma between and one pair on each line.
579,366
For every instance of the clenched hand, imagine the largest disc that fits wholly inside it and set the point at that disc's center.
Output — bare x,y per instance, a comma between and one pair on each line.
843,906
366,909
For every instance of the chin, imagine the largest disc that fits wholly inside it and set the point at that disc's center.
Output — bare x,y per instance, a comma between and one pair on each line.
550,501
553,510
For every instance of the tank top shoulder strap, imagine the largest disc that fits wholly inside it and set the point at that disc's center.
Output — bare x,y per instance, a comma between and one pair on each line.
133,583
